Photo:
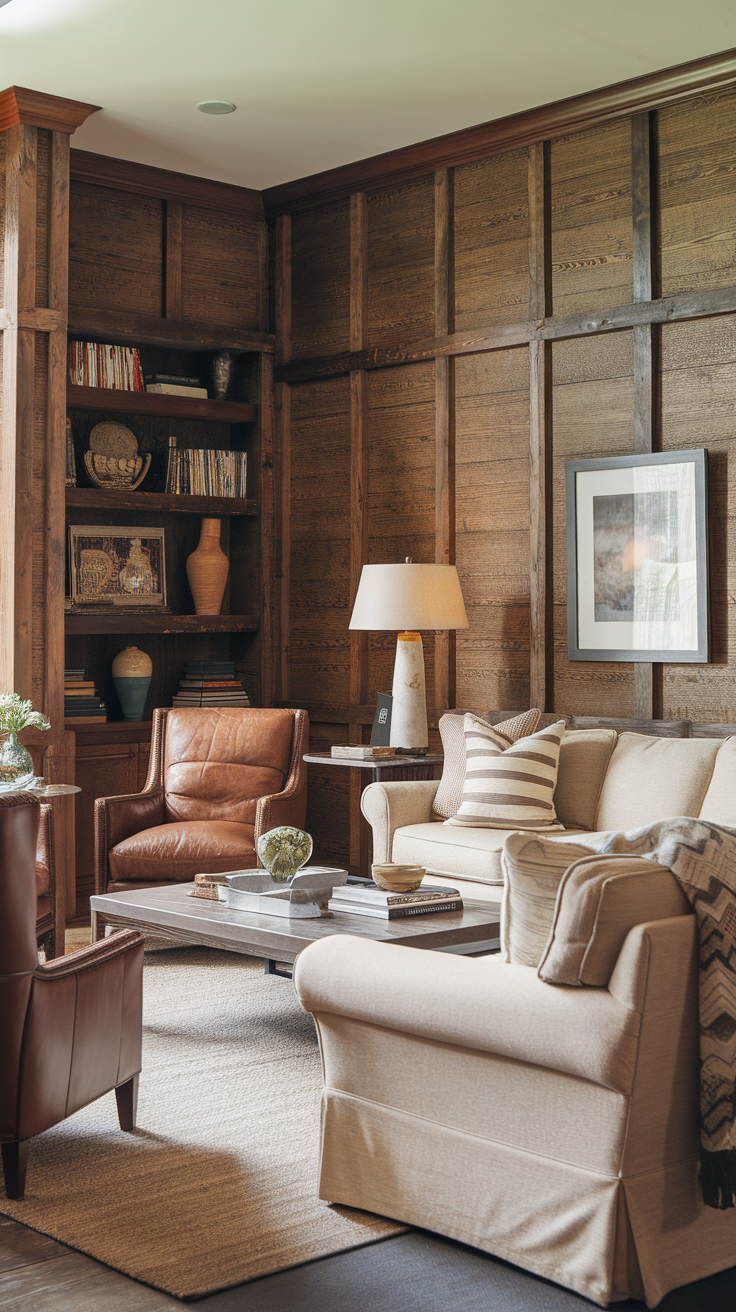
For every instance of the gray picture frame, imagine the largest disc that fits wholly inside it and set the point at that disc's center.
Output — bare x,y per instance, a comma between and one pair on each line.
585,616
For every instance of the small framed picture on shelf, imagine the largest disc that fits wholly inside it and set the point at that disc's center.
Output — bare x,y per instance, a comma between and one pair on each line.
637,558
118,567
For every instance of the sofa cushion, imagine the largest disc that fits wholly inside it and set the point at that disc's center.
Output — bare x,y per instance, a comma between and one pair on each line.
452,732
218,763
584,758
475,854
600,899
509,787
184,850
533,868
651,779
719,803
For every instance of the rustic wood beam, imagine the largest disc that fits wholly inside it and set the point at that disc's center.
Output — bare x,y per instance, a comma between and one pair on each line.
647,676
188,335
270,610
540,429
619,318
283,291
282,393
444,392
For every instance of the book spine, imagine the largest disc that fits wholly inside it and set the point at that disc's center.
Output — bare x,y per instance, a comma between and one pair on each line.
395,913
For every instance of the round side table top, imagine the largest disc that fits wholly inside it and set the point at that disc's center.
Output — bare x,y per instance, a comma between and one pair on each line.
41,789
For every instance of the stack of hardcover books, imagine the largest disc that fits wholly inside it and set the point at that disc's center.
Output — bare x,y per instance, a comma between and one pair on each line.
198,472
175,385
91,364
349,752
81,706
369,900
210,683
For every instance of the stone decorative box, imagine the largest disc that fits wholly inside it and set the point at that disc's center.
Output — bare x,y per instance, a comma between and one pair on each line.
305,897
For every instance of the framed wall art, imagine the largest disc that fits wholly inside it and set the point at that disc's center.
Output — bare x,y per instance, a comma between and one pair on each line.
637,558
117,567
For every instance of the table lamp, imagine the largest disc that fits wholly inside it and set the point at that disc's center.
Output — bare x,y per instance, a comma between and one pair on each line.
408,598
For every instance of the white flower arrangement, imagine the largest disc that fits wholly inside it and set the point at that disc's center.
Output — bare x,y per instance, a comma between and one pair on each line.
16,715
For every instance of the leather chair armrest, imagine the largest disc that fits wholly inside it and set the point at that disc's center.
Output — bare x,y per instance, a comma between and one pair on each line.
289,807
117,818
123,940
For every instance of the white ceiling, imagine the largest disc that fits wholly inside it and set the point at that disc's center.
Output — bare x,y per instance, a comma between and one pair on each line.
318,83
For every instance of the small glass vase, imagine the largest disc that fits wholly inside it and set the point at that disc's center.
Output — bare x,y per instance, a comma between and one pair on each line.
16,765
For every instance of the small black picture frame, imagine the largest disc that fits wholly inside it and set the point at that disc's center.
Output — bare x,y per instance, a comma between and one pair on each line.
637,558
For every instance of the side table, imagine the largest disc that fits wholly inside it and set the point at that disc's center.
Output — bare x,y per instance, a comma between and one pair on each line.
373,772
58,796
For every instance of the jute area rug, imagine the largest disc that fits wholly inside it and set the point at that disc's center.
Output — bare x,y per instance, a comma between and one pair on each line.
218,1184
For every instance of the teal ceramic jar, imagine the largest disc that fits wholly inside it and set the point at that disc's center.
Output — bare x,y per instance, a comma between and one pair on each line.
131,672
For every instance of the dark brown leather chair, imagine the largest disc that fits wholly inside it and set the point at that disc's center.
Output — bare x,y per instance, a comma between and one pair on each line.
70,1030
217,780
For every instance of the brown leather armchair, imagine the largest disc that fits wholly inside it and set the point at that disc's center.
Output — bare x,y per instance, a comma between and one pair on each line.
217,780
70,1030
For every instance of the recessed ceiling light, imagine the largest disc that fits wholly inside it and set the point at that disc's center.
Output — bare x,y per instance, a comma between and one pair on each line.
215,106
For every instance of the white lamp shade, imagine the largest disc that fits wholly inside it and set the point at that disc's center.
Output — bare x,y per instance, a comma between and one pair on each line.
409,597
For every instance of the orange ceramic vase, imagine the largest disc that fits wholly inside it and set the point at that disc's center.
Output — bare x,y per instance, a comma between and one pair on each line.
207,569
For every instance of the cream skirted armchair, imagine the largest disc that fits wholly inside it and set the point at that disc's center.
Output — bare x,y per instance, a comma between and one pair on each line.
556,1126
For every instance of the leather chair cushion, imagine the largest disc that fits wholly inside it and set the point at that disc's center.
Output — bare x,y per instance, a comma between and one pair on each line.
218,763
182,850
43,908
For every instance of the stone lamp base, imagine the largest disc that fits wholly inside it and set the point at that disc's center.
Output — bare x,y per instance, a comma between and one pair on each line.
409,706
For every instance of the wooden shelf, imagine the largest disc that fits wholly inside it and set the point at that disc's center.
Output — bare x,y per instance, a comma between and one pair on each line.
148,330
151,403
155,622
92,498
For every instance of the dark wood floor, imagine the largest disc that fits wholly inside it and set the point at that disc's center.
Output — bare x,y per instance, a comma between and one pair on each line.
415,1272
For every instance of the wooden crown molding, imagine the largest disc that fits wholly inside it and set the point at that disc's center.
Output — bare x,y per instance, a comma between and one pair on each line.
652,91
125,175
20,105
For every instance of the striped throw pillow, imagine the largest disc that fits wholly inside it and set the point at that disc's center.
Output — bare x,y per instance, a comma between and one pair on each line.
509,786
449,795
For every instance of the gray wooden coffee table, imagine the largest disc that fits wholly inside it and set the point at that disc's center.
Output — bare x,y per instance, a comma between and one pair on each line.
169,913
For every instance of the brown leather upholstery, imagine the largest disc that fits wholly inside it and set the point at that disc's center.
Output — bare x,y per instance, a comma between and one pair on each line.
218,779
70,1030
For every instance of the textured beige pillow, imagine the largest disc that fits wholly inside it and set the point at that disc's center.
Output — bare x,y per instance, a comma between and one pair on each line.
584,757
533,869
509,786
599,900
452,732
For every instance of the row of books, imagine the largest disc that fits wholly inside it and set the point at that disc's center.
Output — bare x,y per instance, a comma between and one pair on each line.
81,705
202,473
210,683
369,900
92,364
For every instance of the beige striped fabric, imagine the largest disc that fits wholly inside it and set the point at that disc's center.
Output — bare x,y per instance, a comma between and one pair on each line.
452,732
509,786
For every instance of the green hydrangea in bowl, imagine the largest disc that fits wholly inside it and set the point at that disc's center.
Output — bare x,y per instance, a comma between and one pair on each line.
16,762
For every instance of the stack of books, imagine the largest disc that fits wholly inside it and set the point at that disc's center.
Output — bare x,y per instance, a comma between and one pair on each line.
358,753
93,365
362,900
81,706
175,385
202,473
210,683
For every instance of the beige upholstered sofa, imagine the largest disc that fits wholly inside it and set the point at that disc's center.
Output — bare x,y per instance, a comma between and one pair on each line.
607,779
555,1126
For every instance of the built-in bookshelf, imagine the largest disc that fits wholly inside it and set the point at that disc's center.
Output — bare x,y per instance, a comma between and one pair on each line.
175,635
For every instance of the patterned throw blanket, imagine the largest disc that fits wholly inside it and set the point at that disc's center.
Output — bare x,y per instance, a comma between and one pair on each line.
702,857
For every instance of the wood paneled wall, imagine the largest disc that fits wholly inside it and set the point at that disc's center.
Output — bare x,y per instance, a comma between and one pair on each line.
448,341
